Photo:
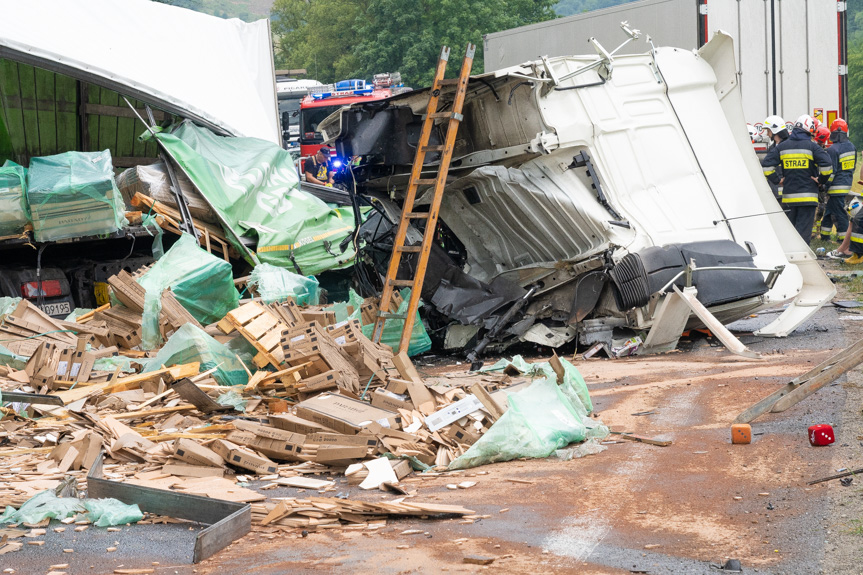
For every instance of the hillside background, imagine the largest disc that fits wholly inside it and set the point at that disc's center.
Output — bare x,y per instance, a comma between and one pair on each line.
250,10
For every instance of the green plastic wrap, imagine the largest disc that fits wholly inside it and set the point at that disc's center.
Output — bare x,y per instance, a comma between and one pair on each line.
148,222
275,284
7,357
253,184
420,341
13,199
190,343
72,195
233,399
8,305
108,512
43,505
201,282
112,363
540,420
76,313
576,387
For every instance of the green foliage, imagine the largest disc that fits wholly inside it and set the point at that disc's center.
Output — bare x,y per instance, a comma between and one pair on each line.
196,5
318,35
338,39
570,7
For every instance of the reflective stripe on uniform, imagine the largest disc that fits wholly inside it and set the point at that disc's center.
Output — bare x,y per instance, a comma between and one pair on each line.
796,154
825,170
839,190
806,197
858,238
768,170
795,159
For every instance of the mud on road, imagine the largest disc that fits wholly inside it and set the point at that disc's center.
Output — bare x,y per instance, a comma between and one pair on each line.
636,507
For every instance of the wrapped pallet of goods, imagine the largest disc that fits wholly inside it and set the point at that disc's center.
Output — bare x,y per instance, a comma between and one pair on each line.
13,202
73,195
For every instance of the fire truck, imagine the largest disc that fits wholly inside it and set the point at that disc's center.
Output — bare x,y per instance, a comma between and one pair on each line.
324,100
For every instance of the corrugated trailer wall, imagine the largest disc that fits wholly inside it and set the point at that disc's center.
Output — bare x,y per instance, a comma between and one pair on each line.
668,22
43,114
807,54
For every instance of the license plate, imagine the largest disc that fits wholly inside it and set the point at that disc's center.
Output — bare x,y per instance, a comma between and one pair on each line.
59,308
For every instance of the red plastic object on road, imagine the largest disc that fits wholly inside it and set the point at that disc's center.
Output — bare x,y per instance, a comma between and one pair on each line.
821,435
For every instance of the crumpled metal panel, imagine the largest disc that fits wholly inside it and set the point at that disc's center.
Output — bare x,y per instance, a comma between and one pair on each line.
510,218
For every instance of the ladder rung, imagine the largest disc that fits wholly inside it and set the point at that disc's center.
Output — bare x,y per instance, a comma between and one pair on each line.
388,315
409,249
426,181
450,115
433,148
401,283
416,215
449,82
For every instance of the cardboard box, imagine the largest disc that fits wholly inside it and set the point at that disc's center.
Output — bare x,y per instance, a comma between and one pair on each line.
275,448
363,439
184,470
327,380
270,432
191,452
337,454
391,401
236,455
296,424
344,414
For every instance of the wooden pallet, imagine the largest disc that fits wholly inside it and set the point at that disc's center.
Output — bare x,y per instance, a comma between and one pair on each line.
262,328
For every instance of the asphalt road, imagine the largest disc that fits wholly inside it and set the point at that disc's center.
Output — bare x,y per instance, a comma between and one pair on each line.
632,508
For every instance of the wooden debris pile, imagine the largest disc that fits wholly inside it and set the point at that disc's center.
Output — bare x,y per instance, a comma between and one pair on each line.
322,512
321,398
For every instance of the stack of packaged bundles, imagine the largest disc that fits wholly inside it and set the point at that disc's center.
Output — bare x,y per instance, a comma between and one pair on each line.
13,203
73,195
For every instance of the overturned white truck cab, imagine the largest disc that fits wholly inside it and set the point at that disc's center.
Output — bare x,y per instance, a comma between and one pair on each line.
581,188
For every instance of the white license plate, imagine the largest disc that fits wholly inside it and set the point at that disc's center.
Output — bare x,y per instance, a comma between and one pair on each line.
60,308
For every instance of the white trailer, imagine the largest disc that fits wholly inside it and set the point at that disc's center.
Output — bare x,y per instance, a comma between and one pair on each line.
791,54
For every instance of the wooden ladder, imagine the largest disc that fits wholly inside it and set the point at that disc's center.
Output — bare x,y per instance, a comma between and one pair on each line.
408,214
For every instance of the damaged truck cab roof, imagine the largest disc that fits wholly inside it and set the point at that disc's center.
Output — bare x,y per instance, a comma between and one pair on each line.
568,166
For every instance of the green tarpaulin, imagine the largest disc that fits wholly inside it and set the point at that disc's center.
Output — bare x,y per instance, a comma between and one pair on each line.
254,186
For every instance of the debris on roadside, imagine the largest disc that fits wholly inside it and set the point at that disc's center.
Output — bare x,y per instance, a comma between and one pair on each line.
276,394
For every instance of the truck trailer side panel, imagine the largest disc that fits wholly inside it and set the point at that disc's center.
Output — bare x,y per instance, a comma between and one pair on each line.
807,52
667,22
801,75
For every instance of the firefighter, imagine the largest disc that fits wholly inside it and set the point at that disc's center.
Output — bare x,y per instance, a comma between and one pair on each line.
318,170
844,157
853,243
822,138
777,131
804,165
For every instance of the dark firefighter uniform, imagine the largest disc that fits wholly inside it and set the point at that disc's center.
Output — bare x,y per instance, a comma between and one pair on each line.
857,237
800,160
844,157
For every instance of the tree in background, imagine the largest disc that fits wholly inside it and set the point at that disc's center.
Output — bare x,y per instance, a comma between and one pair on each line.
318,35
338,39
570,7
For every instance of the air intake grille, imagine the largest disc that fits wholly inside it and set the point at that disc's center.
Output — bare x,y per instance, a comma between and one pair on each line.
630,282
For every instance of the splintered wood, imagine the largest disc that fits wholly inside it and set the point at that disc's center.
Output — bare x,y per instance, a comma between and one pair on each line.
322,511
320,399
